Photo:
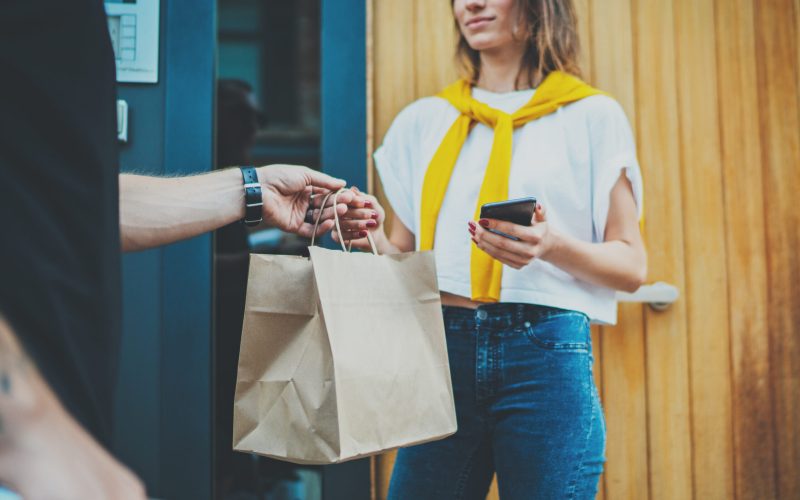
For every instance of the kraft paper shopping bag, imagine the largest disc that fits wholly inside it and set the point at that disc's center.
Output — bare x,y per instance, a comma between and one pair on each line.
343,355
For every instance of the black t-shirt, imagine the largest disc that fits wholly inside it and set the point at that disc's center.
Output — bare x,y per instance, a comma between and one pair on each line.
59,202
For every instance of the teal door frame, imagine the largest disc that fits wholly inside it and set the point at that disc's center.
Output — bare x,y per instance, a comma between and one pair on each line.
344,155
163,409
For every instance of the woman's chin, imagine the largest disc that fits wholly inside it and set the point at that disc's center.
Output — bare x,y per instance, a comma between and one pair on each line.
480,43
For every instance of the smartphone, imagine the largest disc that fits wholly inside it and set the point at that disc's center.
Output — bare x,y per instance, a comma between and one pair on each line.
518,211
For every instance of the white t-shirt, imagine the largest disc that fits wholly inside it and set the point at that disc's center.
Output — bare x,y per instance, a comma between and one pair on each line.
569,160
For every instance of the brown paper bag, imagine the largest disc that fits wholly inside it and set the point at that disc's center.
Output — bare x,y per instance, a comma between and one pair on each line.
343,355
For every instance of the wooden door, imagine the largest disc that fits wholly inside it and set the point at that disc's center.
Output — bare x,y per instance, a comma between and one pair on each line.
702,400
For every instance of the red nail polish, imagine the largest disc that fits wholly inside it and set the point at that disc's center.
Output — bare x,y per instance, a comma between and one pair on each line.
362,234
372,223
368,204
472,232
484,222
374,215
472,226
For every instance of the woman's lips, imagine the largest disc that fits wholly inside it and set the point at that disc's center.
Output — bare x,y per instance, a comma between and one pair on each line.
479,22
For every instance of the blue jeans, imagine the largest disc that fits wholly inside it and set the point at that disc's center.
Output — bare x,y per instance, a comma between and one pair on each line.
527,409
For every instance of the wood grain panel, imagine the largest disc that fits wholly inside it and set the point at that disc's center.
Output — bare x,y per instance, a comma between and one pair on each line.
584,9
669,450
625,406
753,427
701,401
395,61
624,384
776,44
597,372
435,44
705,251
395,72
586,63
394,87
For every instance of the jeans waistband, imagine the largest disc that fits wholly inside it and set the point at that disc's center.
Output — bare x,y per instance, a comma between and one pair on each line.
502,315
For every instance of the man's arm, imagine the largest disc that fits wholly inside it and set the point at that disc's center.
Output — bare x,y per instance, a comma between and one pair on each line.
156,211
44,453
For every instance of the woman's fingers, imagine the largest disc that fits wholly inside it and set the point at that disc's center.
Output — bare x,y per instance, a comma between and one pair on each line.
361,214
354,225
540,213
514,253
508,228
520,248
360,243
504,256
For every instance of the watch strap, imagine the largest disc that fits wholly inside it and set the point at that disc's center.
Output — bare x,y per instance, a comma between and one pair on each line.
253,198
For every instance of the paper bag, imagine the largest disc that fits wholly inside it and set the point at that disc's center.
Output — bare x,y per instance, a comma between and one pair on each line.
343,355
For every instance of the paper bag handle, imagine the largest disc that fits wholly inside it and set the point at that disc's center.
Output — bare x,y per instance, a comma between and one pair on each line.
349,248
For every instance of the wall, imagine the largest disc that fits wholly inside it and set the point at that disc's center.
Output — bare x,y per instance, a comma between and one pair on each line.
703,400
163,407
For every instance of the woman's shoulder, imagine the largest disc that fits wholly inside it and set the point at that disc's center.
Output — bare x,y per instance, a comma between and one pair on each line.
598,109
422,111
423,118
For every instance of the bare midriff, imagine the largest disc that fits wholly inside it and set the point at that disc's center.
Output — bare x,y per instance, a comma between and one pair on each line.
448,299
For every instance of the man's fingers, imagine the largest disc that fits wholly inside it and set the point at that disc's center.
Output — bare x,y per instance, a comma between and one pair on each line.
346,198
306,230
321,180
313,214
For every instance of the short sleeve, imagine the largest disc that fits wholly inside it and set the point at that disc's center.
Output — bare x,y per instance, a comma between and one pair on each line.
394,161
613,151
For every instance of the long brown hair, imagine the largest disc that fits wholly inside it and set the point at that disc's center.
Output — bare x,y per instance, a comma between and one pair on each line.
551,41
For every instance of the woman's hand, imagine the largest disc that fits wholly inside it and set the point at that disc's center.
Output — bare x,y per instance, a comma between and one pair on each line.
535,241
364,214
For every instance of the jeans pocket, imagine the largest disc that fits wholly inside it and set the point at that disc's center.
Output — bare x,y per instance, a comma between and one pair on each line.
567,332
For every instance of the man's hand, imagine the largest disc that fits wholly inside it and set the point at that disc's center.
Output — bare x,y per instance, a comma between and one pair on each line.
287,191
44,453
157,211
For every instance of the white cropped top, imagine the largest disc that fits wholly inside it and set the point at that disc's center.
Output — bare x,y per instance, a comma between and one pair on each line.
569,160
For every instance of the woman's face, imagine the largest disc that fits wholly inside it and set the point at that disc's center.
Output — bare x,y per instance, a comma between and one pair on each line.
487,24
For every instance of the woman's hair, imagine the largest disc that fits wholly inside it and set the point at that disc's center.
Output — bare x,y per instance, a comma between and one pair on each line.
550,33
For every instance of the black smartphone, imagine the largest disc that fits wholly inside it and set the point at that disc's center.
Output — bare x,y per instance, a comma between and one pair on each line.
518,211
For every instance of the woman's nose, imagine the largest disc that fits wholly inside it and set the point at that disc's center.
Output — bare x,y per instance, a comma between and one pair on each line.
473,5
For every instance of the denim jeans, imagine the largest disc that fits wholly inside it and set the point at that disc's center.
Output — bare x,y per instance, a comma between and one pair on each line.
527,409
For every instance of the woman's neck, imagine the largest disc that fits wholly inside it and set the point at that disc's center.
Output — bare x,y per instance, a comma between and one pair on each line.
500,69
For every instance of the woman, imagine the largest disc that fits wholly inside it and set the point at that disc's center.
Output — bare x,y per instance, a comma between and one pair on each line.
516,312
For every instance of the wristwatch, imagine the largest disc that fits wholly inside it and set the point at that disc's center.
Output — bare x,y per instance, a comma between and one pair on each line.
253,199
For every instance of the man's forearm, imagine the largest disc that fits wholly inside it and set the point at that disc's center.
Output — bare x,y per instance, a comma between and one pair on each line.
44,453
157,211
